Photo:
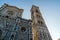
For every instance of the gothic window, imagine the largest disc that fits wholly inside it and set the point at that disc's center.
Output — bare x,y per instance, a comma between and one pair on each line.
41,23
37,11
12,37
38,22
0,33
10,12
23,29
38,16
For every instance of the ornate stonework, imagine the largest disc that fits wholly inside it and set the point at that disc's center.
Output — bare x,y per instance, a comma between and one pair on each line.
14,27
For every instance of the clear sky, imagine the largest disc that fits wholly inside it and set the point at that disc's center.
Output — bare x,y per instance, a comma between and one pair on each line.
50,10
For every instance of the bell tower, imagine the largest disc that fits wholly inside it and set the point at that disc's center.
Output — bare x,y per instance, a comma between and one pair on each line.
39,28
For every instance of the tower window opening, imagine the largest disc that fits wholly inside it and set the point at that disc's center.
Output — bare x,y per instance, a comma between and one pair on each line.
37,11
38,16
39,22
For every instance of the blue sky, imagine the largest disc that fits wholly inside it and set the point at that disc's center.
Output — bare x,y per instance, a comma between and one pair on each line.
50,10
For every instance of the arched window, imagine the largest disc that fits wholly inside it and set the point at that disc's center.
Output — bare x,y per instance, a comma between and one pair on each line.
38,16
37,11
38,22
41,23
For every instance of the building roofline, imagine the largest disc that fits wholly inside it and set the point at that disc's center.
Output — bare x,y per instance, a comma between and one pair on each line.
6,5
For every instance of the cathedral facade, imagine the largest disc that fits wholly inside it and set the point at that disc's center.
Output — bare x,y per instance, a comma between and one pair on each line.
14,27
